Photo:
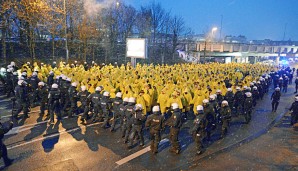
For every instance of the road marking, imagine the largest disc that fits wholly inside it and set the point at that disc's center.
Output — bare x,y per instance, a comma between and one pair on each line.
51,136
7,116
138,153
16,130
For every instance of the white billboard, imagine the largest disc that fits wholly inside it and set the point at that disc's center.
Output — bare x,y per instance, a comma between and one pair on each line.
136,48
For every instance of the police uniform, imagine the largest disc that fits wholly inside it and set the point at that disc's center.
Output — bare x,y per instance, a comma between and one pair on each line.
199,132
225,113
3,131
175,123
155,124
54,105
83,98
137,127
117,102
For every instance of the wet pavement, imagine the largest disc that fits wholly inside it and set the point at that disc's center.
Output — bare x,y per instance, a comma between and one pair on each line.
266,143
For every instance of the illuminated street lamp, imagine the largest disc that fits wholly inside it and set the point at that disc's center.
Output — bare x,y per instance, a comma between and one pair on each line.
214,29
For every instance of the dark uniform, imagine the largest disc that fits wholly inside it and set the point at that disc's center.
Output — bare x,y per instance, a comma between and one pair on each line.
117,102
127,121
50,80
255,97
238,102
83,98
247,108
9,84
155,124
43,94
22,99
199,131
210,113
230,98
3,131
275,97
137,127
65,101
122,109
73,98
54,105
175,123
294,114
225,113
106,106
296,84
95,99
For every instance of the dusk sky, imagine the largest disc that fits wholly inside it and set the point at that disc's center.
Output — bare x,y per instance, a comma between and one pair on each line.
256,19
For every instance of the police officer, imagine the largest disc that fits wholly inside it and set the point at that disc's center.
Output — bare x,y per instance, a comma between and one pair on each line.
225,113
210,117
294,113
95,99
127,118
123,116
21,93
198,131
155,124
50,79
84,107
106,106
137,127
296,84
285,84
73,98
230,98
219,97
275,97
43,94
9,83
247,106
54,103
117,102
255,95
175,123
238,102
3,131
65,85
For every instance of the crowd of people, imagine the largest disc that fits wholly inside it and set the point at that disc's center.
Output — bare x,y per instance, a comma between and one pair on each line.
147,96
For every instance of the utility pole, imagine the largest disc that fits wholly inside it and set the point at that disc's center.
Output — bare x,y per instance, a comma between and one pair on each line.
285,32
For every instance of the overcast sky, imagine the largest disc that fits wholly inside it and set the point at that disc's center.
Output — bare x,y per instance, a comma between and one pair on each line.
256,19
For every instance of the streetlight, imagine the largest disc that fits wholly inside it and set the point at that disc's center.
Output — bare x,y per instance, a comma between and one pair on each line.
66,45
214,29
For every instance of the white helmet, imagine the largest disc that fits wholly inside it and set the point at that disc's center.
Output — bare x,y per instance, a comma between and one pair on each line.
41,83
225,102
251,84
74,84
218,91
106,94
200,107
248,88
34,74
36,70
280,78
212,97
55,86
248,94
68,79
131,100
229,89
296,98
155,109
15,73
175,106
277,89
126,99
238,88
51,72
255,88
64,77
2,70
12,63
24,73
98,89
83,88
138,107
20,82
245,87
205,101
119,94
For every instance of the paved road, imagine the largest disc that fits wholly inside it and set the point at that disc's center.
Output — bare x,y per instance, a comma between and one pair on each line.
37,146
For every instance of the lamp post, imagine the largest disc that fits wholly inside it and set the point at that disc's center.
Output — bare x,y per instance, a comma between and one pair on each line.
214,29
66,43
